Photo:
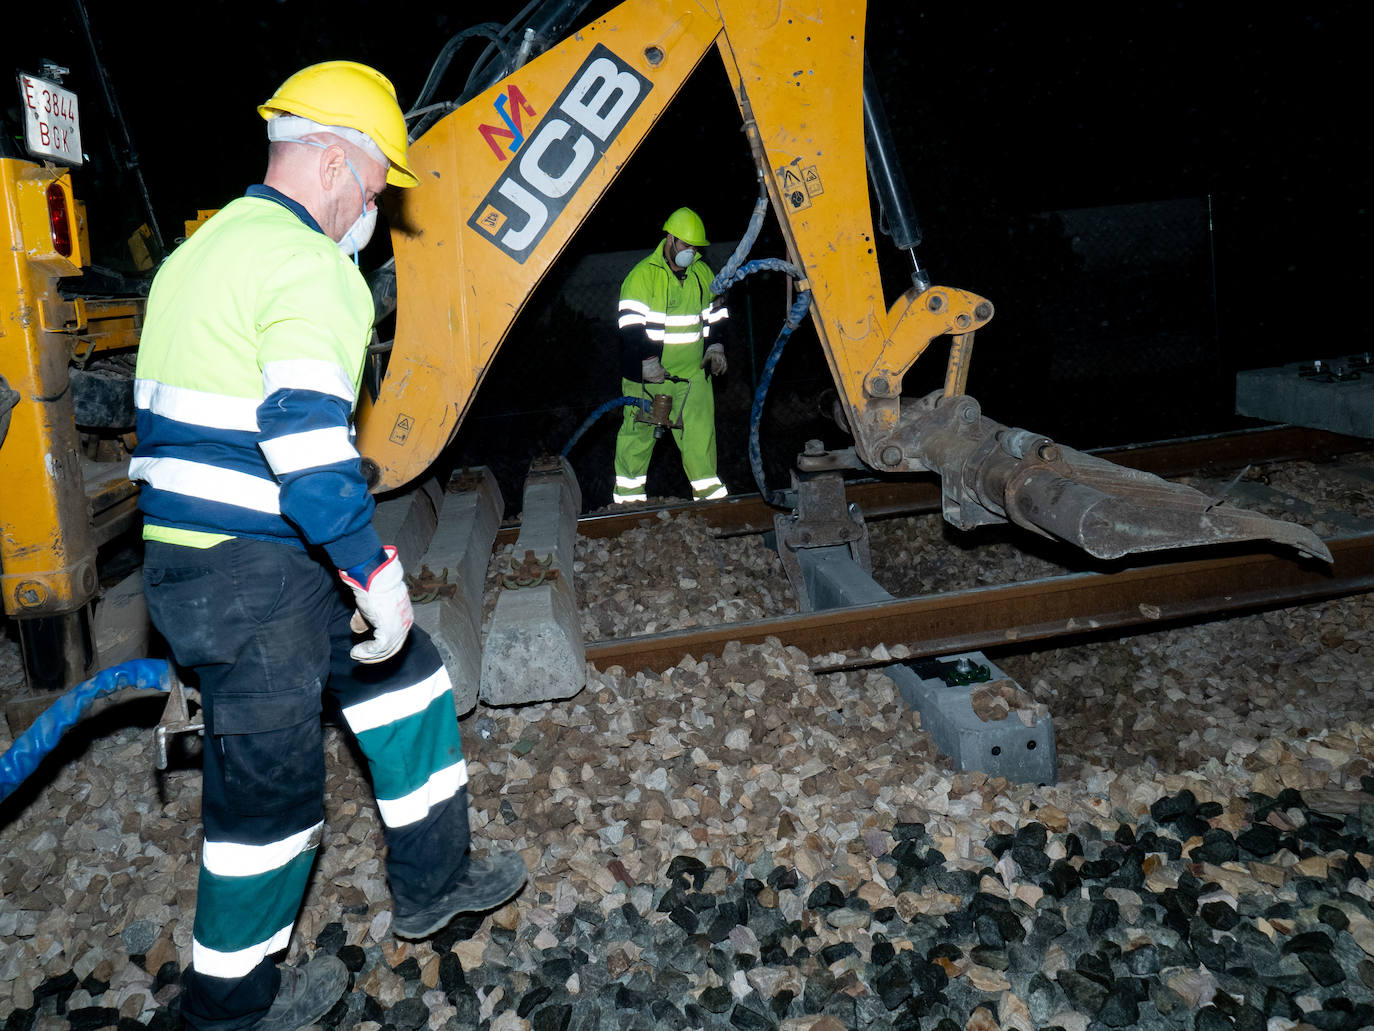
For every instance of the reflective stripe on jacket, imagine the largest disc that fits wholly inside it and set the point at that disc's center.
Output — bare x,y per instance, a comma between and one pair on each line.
664,317
248,370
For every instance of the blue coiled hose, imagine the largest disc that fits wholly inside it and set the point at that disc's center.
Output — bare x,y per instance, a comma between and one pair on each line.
32,746
800,305
725,276
794,316
641,403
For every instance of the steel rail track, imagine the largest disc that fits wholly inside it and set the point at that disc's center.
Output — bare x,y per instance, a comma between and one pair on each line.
748,513
1159,594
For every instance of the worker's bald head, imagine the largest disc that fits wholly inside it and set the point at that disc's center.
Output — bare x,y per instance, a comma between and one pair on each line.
332,178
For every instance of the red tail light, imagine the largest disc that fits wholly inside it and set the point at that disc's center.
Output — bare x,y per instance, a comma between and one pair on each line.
58,221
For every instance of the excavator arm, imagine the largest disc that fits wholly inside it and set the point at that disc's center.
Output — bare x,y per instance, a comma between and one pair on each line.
507,178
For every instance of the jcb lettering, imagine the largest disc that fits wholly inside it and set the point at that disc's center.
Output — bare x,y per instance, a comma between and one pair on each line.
550,183
536,216
600,97
560,154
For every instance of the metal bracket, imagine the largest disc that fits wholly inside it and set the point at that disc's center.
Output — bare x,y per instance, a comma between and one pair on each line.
816,459
176,719
823,518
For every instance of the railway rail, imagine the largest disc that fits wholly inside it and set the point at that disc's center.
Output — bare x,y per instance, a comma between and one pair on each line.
1075,604
748,513
1154,592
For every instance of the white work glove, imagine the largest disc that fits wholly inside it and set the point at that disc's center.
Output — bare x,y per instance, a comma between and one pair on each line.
715,360
652,371
384,604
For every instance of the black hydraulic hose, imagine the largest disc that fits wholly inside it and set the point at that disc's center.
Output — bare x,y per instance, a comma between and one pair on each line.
547,21
471,87
487,30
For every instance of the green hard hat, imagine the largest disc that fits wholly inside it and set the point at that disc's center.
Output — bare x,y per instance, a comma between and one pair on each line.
685,224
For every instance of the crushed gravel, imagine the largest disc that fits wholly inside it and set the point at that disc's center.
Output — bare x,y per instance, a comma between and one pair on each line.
741,842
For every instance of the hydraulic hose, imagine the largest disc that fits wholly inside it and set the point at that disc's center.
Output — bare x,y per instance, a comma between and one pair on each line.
641,403
32,746
794,316
723,277
487,30
757,265
800,306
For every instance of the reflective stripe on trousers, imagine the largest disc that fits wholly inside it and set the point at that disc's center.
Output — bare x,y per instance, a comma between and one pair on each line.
264,628
634,445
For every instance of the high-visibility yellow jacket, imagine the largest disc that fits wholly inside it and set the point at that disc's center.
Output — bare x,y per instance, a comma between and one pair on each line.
248,370
666,317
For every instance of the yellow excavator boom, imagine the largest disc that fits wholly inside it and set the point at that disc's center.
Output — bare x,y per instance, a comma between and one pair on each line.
499,198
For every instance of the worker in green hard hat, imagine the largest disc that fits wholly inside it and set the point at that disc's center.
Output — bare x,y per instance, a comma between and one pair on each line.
667,317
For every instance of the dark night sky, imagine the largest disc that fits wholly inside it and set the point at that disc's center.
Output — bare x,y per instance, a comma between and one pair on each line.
1009,111
999,114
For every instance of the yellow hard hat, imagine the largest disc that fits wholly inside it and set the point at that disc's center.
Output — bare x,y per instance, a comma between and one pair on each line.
686,225
352,95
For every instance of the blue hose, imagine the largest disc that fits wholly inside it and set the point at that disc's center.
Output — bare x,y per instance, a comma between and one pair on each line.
725,276
794,317
32,746
619,402
757,265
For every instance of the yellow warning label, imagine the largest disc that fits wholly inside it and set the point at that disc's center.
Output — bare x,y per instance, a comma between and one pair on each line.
491,220
812,178
401,429
794,192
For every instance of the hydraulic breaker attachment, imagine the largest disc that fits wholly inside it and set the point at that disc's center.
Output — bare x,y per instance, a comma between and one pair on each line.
992,473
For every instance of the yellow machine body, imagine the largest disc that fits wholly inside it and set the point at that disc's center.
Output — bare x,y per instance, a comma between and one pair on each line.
505,180
58,503
487,221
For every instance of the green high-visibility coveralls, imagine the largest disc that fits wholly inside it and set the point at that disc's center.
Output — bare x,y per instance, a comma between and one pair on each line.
669,316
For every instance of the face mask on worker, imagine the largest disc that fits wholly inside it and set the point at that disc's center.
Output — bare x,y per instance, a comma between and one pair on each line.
684,258
357,235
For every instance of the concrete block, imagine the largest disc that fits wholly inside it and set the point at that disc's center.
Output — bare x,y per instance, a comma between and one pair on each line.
460,548
1007,747
534,650
1334,394
1001,748
408,520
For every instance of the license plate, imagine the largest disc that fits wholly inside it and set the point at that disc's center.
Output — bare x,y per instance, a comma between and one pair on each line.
52,127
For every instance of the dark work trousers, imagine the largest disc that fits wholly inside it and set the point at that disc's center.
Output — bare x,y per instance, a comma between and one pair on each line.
262,629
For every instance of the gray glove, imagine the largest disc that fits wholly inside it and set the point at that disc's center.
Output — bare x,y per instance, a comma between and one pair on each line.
652,371
715,360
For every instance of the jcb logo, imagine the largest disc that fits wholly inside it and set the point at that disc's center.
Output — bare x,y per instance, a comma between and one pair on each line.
533,190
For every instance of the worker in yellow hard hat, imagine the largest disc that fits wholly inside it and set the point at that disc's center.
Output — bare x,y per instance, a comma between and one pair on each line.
256,514
667,317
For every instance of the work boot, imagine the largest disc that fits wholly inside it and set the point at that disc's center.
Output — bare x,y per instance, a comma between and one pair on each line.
486,884
306,994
